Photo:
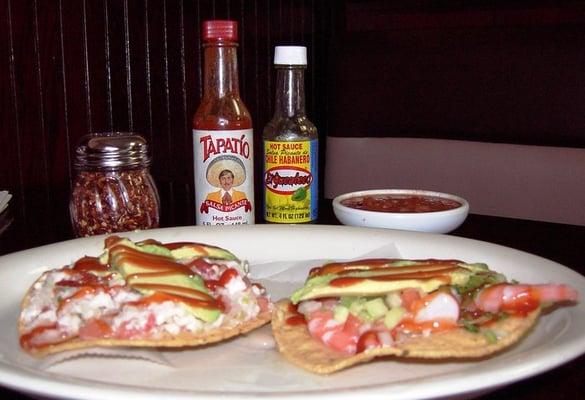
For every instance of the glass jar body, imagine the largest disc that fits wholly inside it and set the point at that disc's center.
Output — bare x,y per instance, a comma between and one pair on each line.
118,200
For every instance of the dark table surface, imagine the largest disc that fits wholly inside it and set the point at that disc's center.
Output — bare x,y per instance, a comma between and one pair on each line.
557,242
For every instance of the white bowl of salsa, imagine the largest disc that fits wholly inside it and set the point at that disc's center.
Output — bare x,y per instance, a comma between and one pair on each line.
412,210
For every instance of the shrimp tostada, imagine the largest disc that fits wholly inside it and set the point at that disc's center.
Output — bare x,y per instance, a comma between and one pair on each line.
143,294
349,313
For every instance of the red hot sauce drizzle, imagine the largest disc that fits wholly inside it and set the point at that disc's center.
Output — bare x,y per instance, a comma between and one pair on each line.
90,264
158,266
377,263
295,317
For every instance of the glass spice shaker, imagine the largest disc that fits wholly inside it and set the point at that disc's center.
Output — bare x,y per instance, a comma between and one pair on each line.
113,190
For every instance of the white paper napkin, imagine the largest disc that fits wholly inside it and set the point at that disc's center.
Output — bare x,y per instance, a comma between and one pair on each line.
4,199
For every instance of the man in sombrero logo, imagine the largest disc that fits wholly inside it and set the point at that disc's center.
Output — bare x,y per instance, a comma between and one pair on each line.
225,173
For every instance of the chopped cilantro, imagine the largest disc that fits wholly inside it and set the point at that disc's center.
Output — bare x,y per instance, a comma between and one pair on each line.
469,326
490,336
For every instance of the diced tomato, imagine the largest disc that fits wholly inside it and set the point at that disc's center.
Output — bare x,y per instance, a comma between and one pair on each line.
342,341
228,275
95,329
352,325
368,340
293,308
31,340
212,284
409,297
263,303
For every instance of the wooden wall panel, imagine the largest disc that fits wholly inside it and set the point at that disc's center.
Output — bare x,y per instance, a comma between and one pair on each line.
508,72
69,67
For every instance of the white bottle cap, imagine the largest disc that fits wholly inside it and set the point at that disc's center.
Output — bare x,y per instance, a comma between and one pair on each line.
290,55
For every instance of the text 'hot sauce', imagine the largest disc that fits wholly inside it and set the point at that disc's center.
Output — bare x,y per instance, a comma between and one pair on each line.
290,145
222,135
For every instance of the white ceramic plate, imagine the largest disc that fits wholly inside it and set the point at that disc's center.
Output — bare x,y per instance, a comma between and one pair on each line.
248,367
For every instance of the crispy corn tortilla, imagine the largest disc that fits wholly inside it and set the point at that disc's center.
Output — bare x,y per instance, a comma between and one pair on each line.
298,347
184,339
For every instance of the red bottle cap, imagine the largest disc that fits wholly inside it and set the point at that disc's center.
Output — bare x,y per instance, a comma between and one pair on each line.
220,30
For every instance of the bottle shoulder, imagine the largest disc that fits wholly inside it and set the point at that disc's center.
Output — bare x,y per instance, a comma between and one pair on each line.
282,128
227,112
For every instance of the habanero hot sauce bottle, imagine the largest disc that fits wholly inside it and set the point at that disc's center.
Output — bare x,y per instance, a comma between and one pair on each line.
290,145
222,134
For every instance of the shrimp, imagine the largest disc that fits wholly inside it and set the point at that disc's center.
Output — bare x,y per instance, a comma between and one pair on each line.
337,335
522,298
437,306
435,312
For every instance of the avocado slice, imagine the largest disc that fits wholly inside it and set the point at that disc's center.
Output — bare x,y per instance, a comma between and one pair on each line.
191,250
182,287
130,260
204,314
178,280
151,268
367,285
156,249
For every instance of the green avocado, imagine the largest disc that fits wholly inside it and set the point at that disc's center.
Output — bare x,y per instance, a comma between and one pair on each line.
175,280
151,262
319,286
156,249
204,314
146,248
202,250
160,267
177,284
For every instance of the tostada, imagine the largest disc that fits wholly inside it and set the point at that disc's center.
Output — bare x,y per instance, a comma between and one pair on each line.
143,294
351,312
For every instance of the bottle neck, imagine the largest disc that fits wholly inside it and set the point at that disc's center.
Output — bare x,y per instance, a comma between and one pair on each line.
221,70
290,91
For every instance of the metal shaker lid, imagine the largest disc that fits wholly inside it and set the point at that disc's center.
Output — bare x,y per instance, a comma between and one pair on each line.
111,150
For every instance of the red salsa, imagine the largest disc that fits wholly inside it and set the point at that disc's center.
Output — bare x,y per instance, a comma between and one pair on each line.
401,203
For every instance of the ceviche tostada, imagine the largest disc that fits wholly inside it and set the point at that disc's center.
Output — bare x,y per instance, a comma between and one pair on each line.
142,294
349,313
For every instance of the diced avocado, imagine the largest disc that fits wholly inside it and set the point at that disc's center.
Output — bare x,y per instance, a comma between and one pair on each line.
156,249
357,307
340,313
393,299
191,250
376,308
346,301
393,317
364,315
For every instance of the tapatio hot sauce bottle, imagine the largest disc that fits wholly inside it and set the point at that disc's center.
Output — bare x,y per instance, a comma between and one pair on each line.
290,145
222,134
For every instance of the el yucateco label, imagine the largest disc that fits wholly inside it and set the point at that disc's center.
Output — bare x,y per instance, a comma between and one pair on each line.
224,178
290,181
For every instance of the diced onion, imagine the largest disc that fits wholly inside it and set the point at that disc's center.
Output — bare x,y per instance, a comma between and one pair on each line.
307,307
385,338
